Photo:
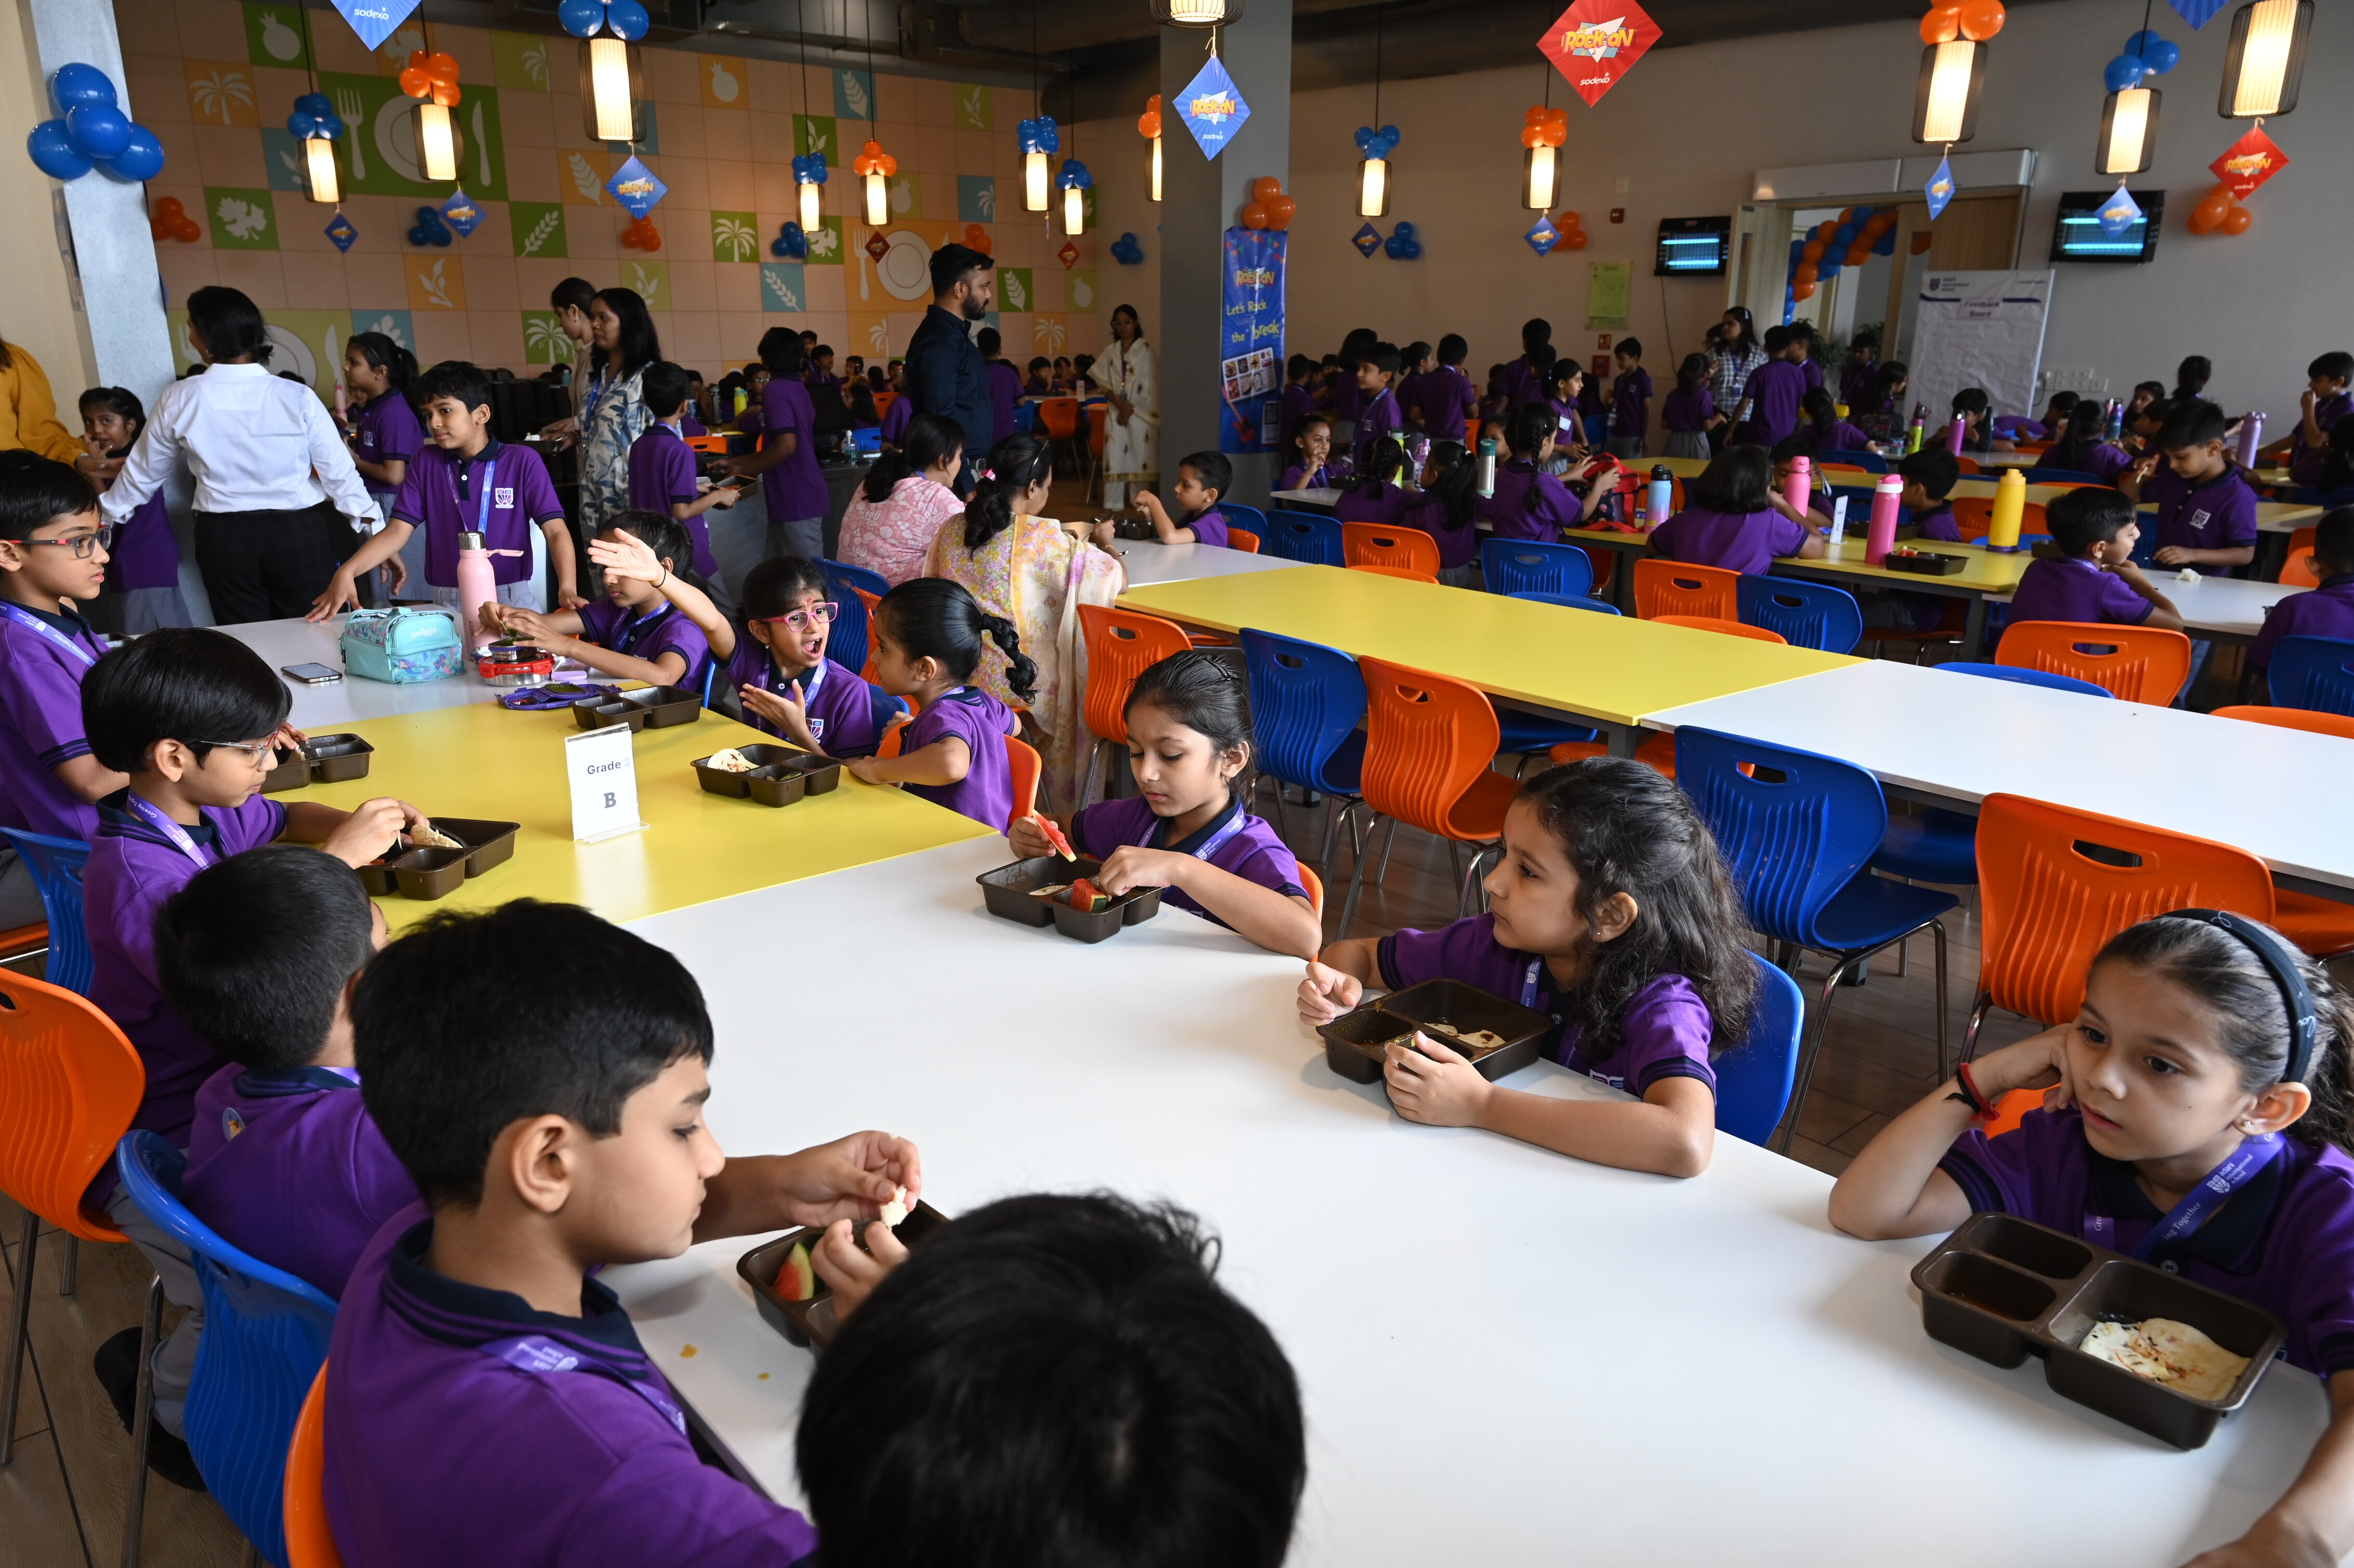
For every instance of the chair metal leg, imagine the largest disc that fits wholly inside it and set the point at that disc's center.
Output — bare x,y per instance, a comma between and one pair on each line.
1333,820
144,1404
71,1274
1945,1045
20,1329
1978,1009
1455,860
1349,905
1904,956
1389,841
1807,1058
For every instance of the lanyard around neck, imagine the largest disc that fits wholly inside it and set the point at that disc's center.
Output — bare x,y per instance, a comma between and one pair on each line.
1217,840
24,617
541,1357
2237,1170
147,812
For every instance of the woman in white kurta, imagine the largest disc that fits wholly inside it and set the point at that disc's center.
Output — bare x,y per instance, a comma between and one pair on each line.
1132,382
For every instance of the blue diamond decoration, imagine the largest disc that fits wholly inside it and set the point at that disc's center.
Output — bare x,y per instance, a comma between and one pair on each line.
1213,108
1940,189
1543,236
636,188
461,214
341,232
2198,13
2119,213
1367,241
373,20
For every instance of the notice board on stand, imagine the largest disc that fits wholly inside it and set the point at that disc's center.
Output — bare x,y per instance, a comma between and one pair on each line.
1979,329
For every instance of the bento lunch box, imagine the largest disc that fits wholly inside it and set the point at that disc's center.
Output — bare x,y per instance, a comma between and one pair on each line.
664,705
1445,1010
782,775
600,712
430,873
324,759
813,1322
1006,892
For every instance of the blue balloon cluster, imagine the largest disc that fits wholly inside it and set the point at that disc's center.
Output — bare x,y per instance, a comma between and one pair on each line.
2146,54
583,18
790,243
1073,176
809,169
1127,252
1039,135
91,130
428,228
1835,248
1402,245
314,116
1378,144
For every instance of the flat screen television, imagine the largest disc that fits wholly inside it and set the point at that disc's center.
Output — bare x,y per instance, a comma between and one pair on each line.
1693,247
2076,232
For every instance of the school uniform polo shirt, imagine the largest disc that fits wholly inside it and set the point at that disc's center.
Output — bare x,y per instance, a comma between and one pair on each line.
1380,420
2216,515
1665,1030
2069,587
1630,396
1209,528
662,475
46,654
1774,390
1528,504
1731,540
665,630
986,792
1299,476
445,494
2326,414
1456,546
795,489
2285,1241
1446,400
1252,852
1386,506
144,555
847,714
386,430
289,1167
463,1425
2326,611
1297,404
1937,524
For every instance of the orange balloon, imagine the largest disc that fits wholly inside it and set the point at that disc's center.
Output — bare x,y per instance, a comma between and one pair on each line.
1281,211
441,66
1858,254
1807,273
1255,215
2196,225
1847,215
1803,292
415,83
1266,188
1575,239
1981,19
1813,251
1567,223
2236,221
2211,211
1922,240
1530,135
1941,25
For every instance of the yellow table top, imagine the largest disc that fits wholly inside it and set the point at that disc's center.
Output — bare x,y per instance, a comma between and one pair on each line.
484,762
1597,666
1989,572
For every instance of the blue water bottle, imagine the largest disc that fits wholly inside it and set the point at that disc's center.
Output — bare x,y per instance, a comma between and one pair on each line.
1663,493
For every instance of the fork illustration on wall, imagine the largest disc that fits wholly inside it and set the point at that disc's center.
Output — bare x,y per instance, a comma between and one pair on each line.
354,111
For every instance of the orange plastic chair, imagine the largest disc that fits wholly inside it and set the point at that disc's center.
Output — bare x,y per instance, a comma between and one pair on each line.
1121,645
2322,926
2300,540
871,600
1429,741
1379,544
308,1541
1057,420
1970,465
24,940
1023,759
1671,588
2134,664
2338,724
1314,885
1471,436
1242,539
70,1084
1098,414
883,401
1659,753
1730,628
1974,517
2296,566
1407,572
2048,905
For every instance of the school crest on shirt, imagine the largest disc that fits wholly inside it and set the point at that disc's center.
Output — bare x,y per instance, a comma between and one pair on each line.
503,497
1595,43
231,1123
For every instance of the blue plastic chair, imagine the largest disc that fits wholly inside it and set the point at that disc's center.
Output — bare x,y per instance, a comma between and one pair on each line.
1798,834
1025,418
1518,566
1245,518
57,867
1871,462
2316,673
2059,476
1568,601
1858,505
846,644
867,441
1303,536
1308,702
1806,614
1754,1078
2051,680
265,1338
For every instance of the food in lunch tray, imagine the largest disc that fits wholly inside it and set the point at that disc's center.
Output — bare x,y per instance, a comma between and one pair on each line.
1082,895
1054,835
730,761
428,836
896,1211
1472,1038
2165,1352
796,1280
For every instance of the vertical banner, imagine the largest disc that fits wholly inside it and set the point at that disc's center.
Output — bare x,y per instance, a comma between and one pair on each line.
1250,354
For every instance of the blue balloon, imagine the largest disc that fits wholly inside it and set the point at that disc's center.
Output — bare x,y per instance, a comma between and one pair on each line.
331,125
142,157
316,104
627,19
80,84
301,126
581,18
2162,56
99,130
53,152
2122,72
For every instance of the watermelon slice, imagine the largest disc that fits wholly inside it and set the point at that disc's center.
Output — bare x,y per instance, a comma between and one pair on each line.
1087,898
796,1280
1053,836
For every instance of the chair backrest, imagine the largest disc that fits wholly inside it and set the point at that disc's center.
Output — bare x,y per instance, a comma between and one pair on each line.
2059,476
2314,672
1381,544
2139,663
1023,759
2340,724
1871,462
1314,886
1794,827
1059,417
1407,572
1568,601
868,603
2023,677
1307,537
70,1084
1242,539
1671,588
1806,614
1121,645
1754,1078
57,867
855,590
1097,413
2048,907
1711,623
1306,700
265,1338
1249,518
1970,465
310,1542
1530,566
2297,569
1427,740
1974,517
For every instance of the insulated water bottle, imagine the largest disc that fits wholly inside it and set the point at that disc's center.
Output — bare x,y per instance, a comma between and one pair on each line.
1887,506
2010,508
1799,484
1486,465
1955,433
478,585
2252,436
1663,493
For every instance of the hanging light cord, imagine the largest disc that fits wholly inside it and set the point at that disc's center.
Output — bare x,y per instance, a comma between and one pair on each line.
1377,70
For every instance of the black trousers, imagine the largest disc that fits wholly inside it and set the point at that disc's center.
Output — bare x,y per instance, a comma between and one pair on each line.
269,566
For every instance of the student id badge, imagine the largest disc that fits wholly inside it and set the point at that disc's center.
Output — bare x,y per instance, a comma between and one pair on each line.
503,497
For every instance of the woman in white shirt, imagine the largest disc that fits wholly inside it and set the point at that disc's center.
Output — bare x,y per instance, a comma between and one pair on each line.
278,506
904,500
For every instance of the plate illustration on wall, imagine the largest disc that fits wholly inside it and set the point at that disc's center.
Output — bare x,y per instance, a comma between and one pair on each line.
906,269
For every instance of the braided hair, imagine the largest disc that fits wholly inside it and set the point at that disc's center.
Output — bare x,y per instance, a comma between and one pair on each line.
1016,464
934,617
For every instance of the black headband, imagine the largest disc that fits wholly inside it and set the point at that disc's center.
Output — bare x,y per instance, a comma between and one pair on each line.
2280,960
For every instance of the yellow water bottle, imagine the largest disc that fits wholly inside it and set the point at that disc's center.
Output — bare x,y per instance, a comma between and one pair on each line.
2010,508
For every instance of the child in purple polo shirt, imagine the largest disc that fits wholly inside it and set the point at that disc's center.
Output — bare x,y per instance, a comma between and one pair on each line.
145,568
1375,495
1004,382
2084,448
1610,910
2324,611
1299,398
1310,443
2087,573
1187,829
385,434
1448,509
487,1399
791,481
927,635
1446,397
1770,399
1202,478
2324,402
1735,520
1528,503
661,466
1930,475
1689,412
896,421
1975,408
2194,1116
1378,417
634,631
2206,513
1630,399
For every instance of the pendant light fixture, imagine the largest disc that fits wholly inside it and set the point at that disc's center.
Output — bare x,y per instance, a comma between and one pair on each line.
1953,69
431,78
612,66
1375,141
1542,130
2266,58
873,163
1196,13
809,169
2129,131
1148,125
315,124
1037,135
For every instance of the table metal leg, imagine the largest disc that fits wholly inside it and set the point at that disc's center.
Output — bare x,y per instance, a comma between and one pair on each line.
1974,628
1625,738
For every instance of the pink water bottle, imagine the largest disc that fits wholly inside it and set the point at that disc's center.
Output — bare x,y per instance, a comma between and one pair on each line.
1887,506
1954,433
1799,484
478,585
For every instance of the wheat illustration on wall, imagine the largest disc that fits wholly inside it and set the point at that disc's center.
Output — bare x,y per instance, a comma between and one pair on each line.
585,180
1017,297
547,226
535,64
435,283
853,93
221,94
781,289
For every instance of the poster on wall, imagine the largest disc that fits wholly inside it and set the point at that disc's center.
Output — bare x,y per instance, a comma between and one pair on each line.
1608,285
1250,353
1980,329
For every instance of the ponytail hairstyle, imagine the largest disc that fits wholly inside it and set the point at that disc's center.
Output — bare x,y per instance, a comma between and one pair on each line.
1625,829
927,439
933,618
2251,1015
1451,483
1693,374
1016,464
398,364
1822,414
1893,374
2079,435
1384,460
2190,377
1207,694
1527,427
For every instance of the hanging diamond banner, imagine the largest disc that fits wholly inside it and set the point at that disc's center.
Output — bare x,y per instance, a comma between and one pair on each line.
1543,238
1940,189
2198,13
1367,240
636,188
2119,213
341,232
1213,108
1595,43
373,20
461,214
2249,162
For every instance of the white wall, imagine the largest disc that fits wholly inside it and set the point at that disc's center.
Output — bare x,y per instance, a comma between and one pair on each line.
35,308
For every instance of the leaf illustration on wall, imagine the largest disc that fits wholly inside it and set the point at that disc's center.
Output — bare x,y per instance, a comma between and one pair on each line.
853,93
585,179
435,283
241,217
540,231
822,241
781,289
1017,294
535,64
390,327
648,285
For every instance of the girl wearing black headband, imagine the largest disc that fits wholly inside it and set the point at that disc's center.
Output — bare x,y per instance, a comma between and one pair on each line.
2195,1117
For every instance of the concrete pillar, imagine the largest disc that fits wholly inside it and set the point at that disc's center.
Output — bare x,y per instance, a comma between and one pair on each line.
1199,200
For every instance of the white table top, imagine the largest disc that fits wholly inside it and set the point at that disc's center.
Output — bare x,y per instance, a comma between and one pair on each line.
2274,792
284,642
1325,497
1496,1345
1150,562
2231,606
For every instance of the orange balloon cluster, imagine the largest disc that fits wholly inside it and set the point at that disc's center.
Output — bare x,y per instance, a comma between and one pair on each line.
2217,210
1546,127
170,220
641,235
430,76
1268,207
873,160
977,239
1977,20
1572,236
1148,122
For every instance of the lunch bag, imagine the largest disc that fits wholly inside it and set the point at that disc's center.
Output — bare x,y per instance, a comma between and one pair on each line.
402,645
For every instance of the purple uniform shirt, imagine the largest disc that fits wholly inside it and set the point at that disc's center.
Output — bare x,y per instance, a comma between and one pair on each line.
445,494
1528,504
2324,611
1381,418
898,417
1938,523
386,430
289,1166
1736,542
1856,383
2327,412
795,488
847,715
2219,513
1348,398
1665,1030
1456,546
1447,403
40,720
662,475
1004,398
1812,368
144,555
1252,852
1687,411
589,1466
1209,528
1299,476
2285,1241
1356,506
2069,587
1774,390
985,793
1522,383
662,629
1630,397
133,868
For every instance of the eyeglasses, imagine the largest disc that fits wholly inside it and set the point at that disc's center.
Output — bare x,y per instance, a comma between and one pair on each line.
82,543
255,750
802,619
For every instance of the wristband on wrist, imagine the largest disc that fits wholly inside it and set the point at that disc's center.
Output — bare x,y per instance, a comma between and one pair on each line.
1981,1109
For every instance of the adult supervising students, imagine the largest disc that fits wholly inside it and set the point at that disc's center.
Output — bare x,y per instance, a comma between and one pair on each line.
946,375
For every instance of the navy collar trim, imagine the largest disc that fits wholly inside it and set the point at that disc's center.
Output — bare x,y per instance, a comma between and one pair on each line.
1200,835
460,1314
2232,1240
117,819
278,1084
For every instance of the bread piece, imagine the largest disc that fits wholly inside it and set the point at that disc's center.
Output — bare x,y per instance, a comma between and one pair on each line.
730,761
428,836
2165,1352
